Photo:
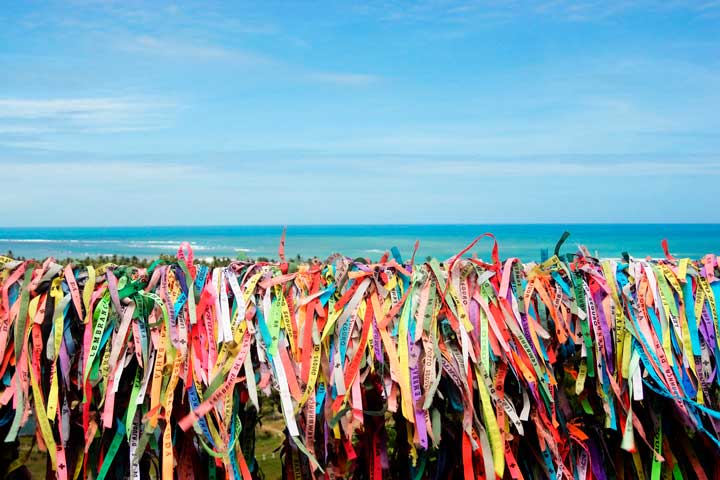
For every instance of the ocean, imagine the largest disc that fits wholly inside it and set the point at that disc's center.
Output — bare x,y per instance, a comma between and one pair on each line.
368,241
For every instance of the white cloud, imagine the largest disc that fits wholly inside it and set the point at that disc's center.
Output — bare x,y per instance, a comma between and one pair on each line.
455,191
35,117
192,50
344,79
98,108
492,11
549,167
181,49
22,130
85,172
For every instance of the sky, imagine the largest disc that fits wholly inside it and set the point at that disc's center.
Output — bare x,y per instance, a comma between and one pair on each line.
197,113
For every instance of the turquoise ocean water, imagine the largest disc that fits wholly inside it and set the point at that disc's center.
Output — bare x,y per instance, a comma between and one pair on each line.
442,241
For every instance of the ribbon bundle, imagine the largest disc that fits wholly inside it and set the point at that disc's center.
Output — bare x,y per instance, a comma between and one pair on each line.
572,368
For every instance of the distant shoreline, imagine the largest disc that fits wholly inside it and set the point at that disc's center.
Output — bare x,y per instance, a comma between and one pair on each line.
525,241
212,262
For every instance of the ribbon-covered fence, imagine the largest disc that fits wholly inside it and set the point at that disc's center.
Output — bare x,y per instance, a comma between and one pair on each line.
571,368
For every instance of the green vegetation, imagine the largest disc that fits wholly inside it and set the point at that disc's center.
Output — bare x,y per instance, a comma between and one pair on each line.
268,440
145,262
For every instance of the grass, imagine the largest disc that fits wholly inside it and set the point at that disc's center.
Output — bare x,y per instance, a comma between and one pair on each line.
269,437
36,461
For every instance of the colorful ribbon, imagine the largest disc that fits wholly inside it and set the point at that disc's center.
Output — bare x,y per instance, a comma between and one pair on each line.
572,368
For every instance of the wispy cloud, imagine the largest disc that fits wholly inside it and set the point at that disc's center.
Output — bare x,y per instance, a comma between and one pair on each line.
561,167
135,171
21,130
33,123
343,79
491,11
510,189
81,109
208,52
192,50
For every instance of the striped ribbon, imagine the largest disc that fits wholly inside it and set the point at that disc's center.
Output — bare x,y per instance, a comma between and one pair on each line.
572,368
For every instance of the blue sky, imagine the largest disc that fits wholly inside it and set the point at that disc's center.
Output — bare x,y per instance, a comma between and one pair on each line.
155,113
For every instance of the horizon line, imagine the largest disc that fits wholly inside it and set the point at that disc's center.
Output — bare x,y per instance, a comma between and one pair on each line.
430,224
